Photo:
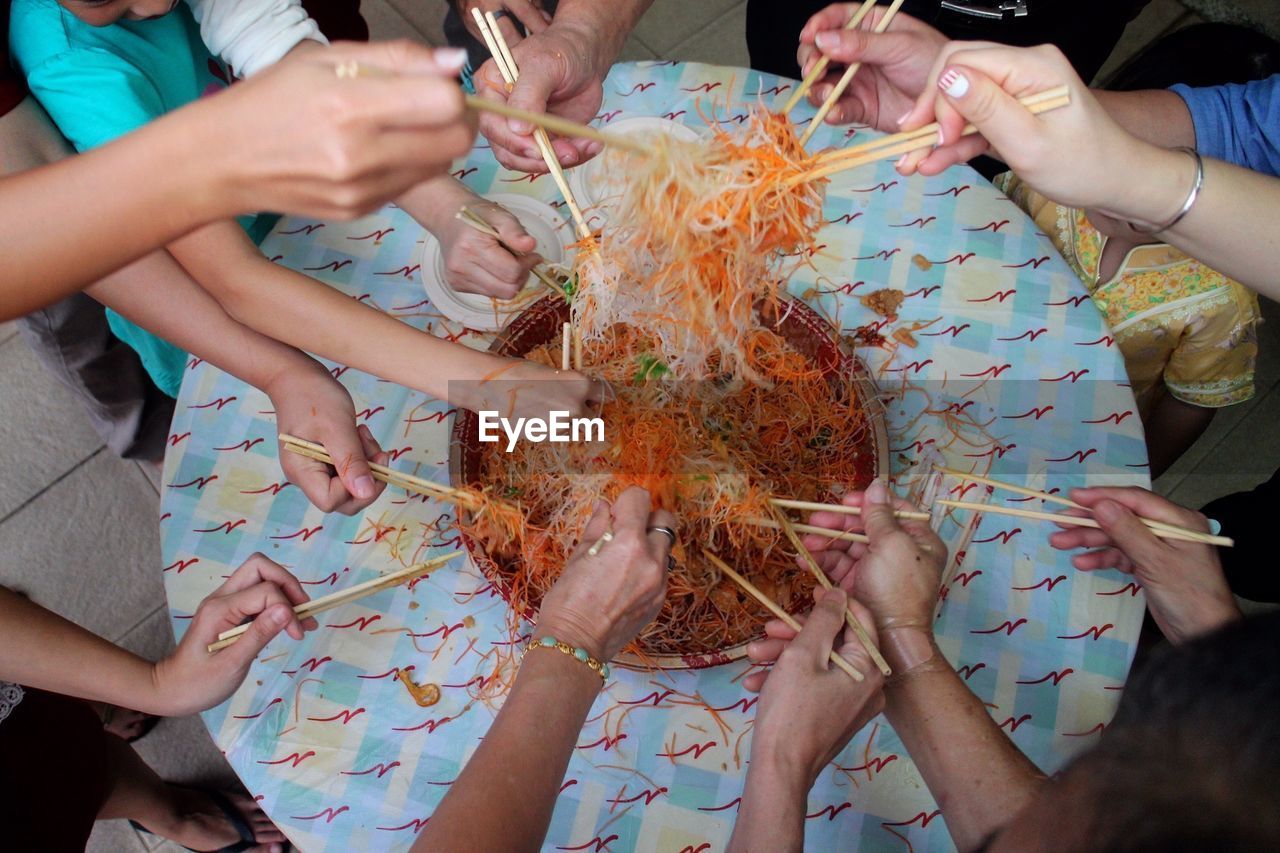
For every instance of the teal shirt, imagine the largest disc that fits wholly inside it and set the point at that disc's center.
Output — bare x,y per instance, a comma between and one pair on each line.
98,83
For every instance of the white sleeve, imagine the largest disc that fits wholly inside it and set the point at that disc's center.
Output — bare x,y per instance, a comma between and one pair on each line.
251,35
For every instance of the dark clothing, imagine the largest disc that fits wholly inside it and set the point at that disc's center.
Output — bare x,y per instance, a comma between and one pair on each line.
1247,518
53,772
1085,30
12,89
339,20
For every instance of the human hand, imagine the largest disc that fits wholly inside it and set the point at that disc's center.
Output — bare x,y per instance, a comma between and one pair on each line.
560,73
529,13
299,139
896,575
312,404
601,602
808,708
194,679
1076,155
1186,590
895,64
526,389
477,263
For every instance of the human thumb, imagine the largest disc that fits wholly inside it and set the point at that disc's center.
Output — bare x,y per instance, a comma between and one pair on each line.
1129,534
532,91
849,46
994,112
877,512
262,630
821,629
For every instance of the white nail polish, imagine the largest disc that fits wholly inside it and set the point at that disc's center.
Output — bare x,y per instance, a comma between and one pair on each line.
955,84
451,57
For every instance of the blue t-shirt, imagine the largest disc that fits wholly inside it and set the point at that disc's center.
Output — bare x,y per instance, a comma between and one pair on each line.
1238,122
98,83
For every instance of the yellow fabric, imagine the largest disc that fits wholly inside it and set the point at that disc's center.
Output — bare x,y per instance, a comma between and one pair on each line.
1180,325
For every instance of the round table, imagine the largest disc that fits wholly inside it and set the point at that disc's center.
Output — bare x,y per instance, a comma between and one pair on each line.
341,757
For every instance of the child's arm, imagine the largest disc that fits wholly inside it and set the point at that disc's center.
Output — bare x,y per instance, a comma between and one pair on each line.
40,649
474,261
305,313
251,35
157,294
269,143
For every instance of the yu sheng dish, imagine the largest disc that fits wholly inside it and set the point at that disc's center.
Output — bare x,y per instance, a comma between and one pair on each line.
725,393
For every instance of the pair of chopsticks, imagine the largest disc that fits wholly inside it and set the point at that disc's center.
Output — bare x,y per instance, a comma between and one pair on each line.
846,78
475,221
1159,528
777,611
506,62
897,144
390,476
344,596
570,347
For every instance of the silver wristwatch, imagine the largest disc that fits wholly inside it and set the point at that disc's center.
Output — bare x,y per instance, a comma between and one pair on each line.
997,10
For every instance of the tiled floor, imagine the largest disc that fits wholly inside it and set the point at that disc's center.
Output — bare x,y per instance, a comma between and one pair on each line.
78,526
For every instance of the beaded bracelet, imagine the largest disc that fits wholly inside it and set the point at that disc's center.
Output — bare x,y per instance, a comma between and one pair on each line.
578,654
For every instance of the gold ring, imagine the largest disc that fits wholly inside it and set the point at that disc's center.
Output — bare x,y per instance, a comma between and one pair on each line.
347,69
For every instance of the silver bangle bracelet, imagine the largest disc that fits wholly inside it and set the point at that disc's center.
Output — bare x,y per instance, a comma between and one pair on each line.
1186,205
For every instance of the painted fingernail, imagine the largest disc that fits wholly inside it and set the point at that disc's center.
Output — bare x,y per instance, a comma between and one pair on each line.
364,487
451,57
953,83
827,40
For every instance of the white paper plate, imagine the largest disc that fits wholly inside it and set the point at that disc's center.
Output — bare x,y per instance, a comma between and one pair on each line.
597,182
544,224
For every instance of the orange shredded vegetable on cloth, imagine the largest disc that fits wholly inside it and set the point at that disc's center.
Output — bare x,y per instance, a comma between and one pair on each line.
701,233
714,451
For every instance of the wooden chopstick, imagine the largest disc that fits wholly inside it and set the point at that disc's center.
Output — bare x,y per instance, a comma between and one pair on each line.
847,77
1059,518
838,535
408,482
562,126
820,66
898,144
811,506
1180,533
343,596
506,62
566,335
820,576
471,219
776,610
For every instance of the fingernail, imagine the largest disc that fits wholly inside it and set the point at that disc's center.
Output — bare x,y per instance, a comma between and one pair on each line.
953,83
834,595
451,57
278,615
364,487
532,152
824,91
877,493
518,126
903,117
594,148
901,160
942,136
827,40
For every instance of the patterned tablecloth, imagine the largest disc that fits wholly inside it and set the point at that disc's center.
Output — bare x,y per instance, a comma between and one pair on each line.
343,759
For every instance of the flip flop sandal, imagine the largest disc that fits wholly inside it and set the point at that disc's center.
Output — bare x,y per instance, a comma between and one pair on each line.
149,722
246,842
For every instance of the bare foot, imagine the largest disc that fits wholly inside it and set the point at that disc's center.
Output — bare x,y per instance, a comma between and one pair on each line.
201,825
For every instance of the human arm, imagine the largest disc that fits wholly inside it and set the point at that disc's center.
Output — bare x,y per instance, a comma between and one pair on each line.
808,711
302,312
252,35
562,71
157,294
599,604
1186,590
975,773
474,261
297,138
1080,157
41,649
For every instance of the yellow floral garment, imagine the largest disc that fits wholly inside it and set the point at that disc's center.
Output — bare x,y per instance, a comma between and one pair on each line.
1178,323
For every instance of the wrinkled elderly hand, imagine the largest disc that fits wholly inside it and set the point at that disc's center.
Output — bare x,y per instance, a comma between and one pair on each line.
601,602
896,574
895,64
1186,590
561,73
